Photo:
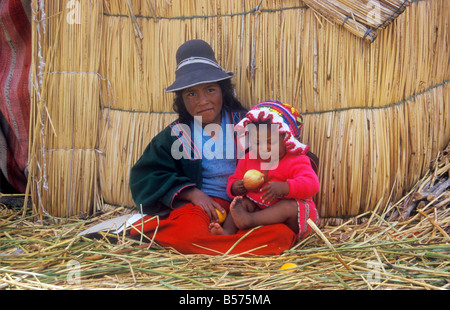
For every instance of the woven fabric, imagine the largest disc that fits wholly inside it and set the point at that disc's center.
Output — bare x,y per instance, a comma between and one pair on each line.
15,61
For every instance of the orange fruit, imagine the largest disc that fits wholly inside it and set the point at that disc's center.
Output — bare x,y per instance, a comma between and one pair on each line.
288,266
221,216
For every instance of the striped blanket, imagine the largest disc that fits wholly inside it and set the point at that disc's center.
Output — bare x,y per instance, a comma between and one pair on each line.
15,61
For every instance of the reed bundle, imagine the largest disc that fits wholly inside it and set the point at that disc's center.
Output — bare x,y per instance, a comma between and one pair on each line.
65,109
362,18
132,132
432,191
386,151
376,114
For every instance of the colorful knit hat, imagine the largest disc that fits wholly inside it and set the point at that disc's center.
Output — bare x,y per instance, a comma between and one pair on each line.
289,120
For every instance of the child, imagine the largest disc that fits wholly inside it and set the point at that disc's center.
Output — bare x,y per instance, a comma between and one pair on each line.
287,196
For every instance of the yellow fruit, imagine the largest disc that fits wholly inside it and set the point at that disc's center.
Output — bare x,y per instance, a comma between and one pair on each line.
221,216
288,266
253,180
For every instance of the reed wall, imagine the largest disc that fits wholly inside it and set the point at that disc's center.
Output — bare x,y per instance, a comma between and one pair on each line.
375,113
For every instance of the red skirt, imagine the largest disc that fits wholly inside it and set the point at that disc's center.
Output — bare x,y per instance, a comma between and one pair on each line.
186,229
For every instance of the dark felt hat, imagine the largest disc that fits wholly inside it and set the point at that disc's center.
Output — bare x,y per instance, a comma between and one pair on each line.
196,64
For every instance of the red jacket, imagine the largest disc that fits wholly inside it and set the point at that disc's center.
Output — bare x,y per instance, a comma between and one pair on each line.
296,170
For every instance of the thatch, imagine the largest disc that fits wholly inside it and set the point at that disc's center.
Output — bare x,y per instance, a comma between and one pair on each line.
361,17
372,251
376,114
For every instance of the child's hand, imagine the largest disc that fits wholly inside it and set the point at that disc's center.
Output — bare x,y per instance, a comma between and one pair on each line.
274,190
238,189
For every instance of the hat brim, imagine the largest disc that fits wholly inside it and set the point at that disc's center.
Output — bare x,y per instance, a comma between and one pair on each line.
199,76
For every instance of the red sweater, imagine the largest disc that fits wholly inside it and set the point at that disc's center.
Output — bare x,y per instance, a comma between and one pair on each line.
296,170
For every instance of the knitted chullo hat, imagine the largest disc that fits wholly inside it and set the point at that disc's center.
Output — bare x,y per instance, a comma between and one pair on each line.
289,120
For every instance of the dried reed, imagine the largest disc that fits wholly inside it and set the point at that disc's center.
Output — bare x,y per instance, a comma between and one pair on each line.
372,251
376,114
132,132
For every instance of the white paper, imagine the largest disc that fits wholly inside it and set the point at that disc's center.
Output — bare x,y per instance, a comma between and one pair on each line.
115,225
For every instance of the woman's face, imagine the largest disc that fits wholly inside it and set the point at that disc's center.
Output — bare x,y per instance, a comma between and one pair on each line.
205,101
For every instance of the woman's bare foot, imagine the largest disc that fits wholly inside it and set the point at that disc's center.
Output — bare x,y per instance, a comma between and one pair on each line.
242,218
216,229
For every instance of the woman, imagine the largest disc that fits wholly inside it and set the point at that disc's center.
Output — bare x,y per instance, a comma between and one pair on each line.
182,174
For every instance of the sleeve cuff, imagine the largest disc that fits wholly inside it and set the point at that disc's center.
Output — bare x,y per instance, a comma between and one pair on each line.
169,197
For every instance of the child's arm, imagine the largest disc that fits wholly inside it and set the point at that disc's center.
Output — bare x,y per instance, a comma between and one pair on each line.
235,186
303,182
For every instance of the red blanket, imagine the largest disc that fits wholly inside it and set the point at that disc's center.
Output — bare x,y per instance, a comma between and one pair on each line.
186,229
15,61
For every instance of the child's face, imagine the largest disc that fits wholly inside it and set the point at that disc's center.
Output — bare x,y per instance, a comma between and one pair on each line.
267,143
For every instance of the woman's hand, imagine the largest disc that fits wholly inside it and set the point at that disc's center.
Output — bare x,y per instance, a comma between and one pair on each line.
199,198
274,190
238,188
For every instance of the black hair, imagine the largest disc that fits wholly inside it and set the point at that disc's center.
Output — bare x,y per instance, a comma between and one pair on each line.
229,101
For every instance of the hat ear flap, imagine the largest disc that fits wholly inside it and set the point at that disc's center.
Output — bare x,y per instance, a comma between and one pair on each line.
299,120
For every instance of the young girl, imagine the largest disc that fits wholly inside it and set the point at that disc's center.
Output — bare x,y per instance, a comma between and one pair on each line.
290,182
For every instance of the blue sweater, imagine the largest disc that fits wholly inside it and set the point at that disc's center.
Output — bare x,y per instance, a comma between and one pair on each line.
217,164
157,177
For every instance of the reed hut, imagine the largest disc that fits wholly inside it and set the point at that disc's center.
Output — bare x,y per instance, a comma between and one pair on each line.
370,77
